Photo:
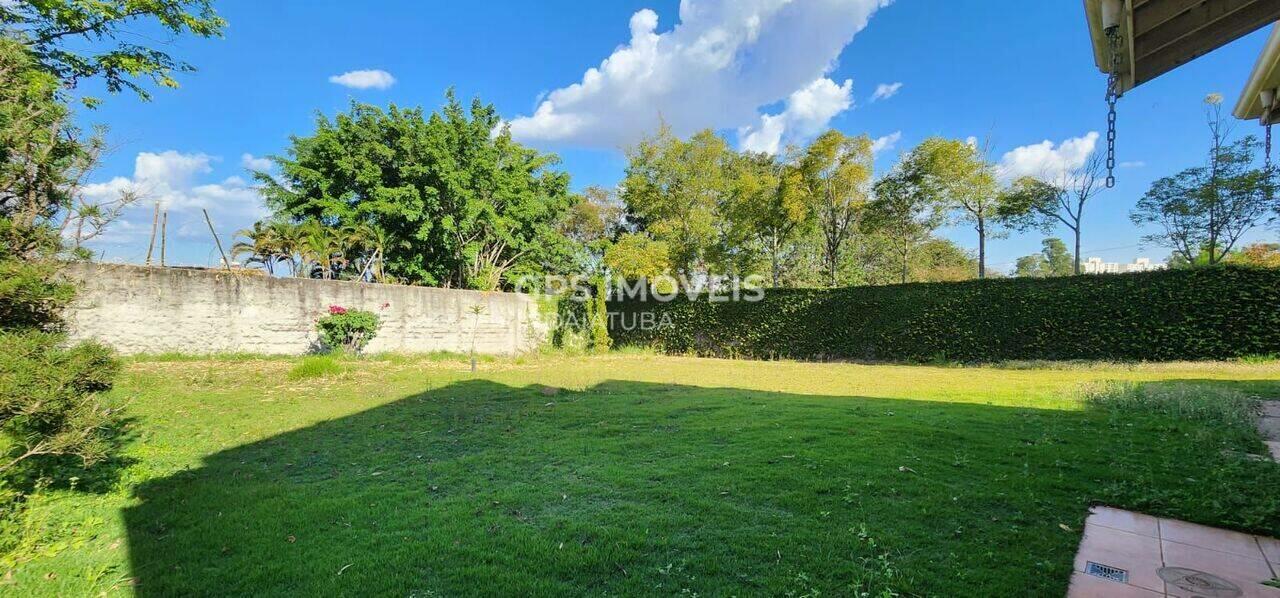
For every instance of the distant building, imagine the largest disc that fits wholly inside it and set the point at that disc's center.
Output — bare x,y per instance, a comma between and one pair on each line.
1095,265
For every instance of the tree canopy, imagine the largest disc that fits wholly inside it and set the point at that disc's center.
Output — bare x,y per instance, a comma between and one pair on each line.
836,173
78,40
1209,208
1054,259
460,202
676,189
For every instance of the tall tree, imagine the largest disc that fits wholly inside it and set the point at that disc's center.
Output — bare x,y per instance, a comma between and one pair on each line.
836,172
772,207
1043,202
460,205
905,211
675,189
964,182
1210,207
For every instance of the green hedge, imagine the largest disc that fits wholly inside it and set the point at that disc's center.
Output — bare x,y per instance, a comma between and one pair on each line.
1209,313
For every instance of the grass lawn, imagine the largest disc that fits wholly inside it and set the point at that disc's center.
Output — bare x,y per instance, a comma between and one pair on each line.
628,474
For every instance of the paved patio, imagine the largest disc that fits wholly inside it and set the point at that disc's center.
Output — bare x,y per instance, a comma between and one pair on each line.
1126,554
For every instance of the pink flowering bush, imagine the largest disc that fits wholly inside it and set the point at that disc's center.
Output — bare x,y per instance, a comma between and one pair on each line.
347,330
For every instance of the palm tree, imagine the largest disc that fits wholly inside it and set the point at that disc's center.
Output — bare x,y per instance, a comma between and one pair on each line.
322,247
259,245
288,242
371,241
377,241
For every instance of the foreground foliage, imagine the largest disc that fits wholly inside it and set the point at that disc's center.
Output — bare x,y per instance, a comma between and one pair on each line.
48,402
1208,313
637,476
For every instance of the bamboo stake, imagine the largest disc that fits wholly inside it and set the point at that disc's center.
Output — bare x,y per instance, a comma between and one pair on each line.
164,227
155,221
216,240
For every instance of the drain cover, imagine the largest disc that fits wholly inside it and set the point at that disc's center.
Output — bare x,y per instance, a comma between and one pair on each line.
1107,572
1199,582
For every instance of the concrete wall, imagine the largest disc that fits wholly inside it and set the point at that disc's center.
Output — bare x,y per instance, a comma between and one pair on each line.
151,310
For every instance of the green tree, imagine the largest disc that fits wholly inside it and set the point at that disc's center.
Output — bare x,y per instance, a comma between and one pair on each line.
459,205
636,256
836,172
75,40
42,156
675,190
905,211
50,389
1034,203
594,219
941,260
961,179
1053,260
260,245
772,208
1209,208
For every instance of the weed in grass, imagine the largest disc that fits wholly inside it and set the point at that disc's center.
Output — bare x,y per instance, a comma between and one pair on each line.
1259,359
317,366
1207,404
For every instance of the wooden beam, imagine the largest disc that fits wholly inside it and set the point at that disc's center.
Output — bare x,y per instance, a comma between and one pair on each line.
1201,19
1185,41
1152,13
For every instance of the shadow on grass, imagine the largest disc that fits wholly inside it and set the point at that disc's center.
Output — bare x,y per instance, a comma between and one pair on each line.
635,488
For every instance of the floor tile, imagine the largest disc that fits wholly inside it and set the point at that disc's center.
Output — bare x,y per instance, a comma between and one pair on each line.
1088,586
1211,538
1271,549
1256,591
1139,555
1137,523
1247,573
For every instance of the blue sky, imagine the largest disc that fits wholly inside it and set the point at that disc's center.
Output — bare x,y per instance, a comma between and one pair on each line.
966,68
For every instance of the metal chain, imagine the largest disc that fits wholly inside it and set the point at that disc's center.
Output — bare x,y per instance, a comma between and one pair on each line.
1113,94
1267,163
1267,157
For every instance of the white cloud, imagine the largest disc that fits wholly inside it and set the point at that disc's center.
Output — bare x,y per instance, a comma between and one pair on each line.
256,164
171,179
716,67
885,91
367,79
886,143
807,112
1133,164
1047,160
